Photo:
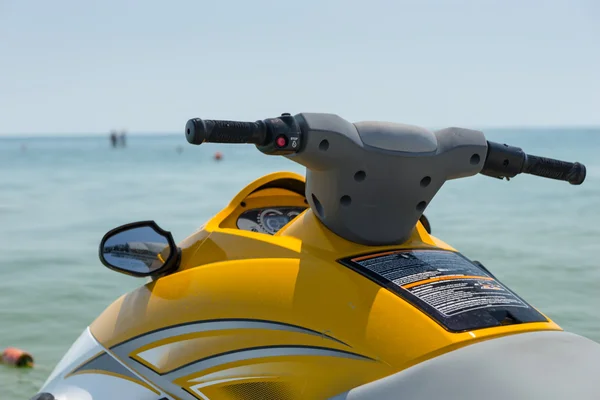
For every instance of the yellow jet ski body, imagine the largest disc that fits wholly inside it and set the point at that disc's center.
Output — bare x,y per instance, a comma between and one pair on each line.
266,301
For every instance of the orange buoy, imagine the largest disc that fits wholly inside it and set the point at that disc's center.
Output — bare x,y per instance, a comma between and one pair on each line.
16,357
218,156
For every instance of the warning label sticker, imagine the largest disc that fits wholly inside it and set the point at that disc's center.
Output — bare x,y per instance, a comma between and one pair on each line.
452,289
451,297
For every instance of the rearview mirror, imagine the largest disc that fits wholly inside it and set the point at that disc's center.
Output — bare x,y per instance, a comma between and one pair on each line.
139,249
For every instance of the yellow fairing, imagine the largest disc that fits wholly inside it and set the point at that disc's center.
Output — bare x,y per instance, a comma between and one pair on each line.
248,312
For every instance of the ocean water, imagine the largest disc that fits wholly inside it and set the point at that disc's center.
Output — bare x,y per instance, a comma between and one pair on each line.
59,195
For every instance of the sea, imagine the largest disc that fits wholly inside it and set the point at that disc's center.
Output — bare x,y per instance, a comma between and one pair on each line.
60,194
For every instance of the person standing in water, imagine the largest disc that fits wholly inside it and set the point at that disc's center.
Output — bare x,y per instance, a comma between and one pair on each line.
113,138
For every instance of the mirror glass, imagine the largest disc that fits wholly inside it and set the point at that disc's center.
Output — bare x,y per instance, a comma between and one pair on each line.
140,249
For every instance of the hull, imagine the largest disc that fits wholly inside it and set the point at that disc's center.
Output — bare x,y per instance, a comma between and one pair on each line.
304,314
536,365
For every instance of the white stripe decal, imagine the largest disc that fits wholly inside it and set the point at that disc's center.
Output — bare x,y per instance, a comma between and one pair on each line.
124,351
208,326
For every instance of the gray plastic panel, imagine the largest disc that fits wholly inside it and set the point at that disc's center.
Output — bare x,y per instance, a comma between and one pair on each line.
370,182
537,365
385,136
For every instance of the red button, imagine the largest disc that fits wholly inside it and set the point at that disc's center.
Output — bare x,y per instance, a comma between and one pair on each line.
281,141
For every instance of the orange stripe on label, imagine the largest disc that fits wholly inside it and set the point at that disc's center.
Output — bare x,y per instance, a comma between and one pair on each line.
446,278
387,253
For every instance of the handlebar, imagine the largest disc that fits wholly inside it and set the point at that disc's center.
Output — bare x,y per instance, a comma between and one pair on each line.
274,136
504,161
574,173
369,182
198,131
283,136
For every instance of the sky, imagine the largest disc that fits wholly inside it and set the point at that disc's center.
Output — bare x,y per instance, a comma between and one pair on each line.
72,66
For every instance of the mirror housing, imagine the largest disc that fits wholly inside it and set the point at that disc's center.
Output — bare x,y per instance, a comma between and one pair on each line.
139,249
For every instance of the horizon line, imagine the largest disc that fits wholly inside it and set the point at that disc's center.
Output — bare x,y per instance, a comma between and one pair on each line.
24,135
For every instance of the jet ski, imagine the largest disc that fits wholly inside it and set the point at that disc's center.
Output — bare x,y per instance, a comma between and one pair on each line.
327,286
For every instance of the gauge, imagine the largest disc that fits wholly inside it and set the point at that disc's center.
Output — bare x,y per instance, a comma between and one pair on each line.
273,223
268,220
249,225
272,220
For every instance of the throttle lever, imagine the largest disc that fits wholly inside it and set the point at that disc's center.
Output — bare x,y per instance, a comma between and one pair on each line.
503,161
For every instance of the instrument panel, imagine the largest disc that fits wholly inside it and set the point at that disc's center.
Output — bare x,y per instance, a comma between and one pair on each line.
267,220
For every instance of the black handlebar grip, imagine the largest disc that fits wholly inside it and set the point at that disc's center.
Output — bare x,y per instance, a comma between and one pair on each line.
198,131
574,173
